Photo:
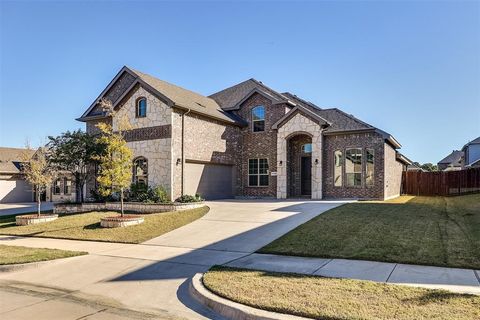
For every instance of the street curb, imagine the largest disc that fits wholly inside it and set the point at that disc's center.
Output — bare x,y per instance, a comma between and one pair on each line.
31,265
230,309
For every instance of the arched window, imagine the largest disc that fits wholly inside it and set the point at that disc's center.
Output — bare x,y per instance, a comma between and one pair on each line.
140,171
258,119
141,108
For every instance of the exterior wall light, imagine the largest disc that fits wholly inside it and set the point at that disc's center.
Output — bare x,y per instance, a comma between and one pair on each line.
280,163
316,161
179,161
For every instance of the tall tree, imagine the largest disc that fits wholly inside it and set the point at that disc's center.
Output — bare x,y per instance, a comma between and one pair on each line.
38,172
115,162
74,152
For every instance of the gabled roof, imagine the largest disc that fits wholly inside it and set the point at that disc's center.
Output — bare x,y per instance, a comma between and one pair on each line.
300,109
453,158
11,159
171,94
231,98
474,141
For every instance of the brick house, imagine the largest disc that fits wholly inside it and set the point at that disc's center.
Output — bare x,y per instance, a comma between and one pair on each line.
247,141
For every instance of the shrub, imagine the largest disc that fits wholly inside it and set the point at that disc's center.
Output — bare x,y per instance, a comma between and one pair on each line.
186,198
142,193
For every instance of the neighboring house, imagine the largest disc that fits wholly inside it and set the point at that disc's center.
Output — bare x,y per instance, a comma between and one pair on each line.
247,141
471,150
14,188
415,167
451,162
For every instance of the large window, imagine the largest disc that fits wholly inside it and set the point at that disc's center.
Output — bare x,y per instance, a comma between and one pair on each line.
369,169
353,167
257,172
141,108
258,119
56,188
67,186
140,171
338,168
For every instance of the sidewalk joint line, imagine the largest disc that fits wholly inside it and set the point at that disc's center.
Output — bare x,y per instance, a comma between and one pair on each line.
323,265
475,272
238,258
388,278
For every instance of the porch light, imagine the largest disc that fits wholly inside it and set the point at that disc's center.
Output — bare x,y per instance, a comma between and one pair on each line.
179,161
316,161
280,163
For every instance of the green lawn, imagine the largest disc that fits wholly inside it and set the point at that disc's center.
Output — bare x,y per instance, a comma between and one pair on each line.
86,226
15,255
327,298
441,231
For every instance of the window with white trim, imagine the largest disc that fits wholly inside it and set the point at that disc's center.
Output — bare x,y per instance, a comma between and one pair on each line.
258,172
337,169
353,167
67,186
369,168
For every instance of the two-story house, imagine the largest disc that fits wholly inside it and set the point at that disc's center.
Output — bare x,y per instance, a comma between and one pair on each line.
247,140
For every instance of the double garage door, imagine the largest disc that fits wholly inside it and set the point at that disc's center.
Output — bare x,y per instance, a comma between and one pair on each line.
211,181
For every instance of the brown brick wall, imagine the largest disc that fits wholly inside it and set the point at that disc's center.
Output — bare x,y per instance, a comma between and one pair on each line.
342,142
258,145
393,173
206,140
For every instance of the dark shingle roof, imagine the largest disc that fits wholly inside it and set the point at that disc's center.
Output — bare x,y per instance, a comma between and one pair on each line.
474,141
452,158
11,158
230,98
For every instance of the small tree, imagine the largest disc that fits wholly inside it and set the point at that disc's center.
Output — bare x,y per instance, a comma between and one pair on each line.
37,171
74,152
115,163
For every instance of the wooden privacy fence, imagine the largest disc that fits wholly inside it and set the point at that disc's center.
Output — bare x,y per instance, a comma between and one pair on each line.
441,183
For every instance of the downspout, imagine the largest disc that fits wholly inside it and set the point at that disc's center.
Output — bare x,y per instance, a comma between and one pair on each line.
183,151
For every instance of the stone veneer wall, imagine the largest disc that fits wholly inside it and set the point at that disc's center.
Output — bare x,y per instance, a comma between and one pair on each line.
206,140
299,124
393,173
158,152
359,140
258,145
62,208
294,167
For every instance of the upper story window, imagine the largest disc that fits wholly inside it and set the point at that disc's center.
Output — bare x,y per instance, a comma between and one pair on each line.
307,148
141,111
140,171
258,119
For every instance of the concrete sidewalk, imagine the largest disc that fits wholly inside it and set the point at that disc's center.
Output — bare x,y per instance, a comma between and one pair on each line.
452,279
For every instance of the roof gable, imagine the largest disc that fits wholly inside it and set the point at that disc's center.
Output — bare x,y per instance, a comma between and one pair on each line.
454,157
305,112
172,95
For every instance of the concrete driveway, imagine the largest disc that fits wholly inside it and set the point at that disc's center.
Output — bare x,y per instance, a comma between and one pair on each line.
152,277
17,208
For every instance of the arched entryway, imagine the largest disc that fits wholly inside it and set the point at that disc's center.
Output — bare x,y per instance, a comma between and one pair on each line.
299,165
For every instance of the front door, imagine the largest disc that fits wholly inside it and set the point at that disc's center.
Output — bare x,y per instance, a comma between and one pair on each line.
306,170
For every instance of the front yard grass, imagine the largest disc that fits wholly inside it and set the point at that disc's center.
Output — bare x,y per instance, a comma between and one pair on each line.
327,298
440,231
86,226
16,255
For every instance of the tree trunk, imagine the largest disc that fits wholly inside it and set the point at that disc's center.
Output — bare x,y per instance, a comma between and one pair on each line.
121,201
81,192
78,191
38,201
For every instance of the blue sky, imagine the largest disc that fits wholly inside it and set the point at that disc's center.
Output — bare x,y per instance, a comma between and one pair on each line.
409,68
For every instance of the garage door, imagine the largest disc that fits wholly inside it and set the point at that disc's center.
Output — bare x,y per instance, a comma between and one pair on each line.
211,181
15,190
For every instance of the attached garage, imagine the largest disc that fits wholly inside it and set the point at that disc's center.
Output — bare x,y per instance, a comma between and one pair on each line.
14,189
211,181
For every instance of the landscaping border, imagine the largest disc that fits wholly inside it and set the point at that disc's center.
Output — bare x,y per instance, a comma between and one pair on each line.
62,208
230,309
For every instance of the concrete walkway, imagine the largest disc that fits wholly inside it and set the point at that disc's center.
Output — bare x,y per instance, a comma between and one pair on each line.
152,277
453,279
